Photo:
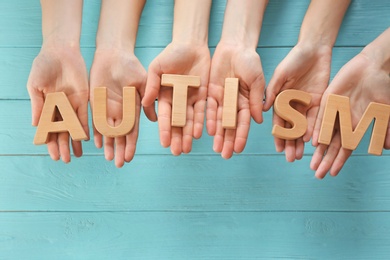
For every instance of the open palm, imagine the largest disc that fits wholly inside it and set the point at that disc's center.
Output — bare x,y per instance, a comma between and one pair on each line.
115,69
60,70
232,62
182,59
303,69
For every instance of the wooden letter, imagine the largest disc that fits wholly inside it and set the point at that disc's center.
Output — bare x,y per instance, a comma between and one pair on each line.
100,112
180,84
70,122
230,99
350,139
283,109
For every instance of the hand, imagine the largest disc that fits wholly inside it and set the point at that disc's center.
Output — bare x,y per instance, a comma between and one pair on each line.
307,69
115,69
183,59
234,62
60,69
363,81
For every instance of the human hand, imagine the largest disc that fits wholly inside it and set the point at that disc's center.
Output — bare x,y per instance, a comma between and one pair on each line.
115,69
183,59
60,69
304,68
363,80
234,62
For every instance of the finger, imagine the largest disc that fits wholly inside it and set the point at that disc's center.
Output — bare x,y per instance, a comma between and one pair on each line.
120,145
211,116
188,130
318,121
98,138
131,138
52,147
311,120
198,118
108,148
289,150
63,145
82,114
299,148
37,101
176,141
273,89
387,140
279,143
77,148
329,158
242,130
219,133
150,112
153,83
339,162
256,99
317,156
164,121
228,144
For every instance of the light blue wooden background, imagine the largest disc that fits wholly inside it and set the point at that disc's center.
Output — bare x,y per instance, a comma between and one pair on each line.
198,206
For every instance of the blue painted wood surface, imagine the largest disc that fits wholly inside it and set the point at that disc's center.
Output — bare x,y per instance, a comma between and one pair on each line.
196,206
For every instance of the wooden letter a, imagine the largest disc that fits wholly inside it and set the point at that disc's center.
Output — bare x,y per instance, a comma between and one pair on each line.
180,84
350,139
70,122
99,112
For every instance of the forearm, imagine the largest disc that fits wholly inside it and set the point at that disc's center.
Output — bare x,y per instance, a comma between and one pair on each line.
118,24
61,22
191,21
322,22
242,22
379,50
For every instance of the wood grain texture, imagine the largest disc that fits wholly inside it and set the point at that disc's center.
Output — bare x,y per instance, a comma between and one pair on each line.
16,135
48,123
197,206
127,119
191,183
339,106
180,85
230,99
284,109
189,235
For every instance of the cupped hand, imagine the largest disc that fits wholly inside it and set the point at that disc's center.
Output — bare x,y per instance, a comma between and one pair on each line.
363,81
234,62
115,69
181,59
60,69
308,69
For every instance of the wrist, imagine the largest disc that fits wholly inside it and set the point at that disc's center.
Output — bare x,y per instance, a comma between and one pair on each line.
378,56
61,23
378,51
191,22
114,43
242,22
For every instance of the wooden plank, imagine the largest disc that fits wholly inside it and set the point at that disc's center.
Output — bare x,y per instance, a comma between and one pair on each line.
15,64
17,134
220,235
191,183
20,23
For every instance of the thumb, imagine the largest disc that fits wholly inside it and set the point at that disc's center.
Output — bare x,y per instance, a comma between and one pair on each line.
37,101
320,115
276,83
152,84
